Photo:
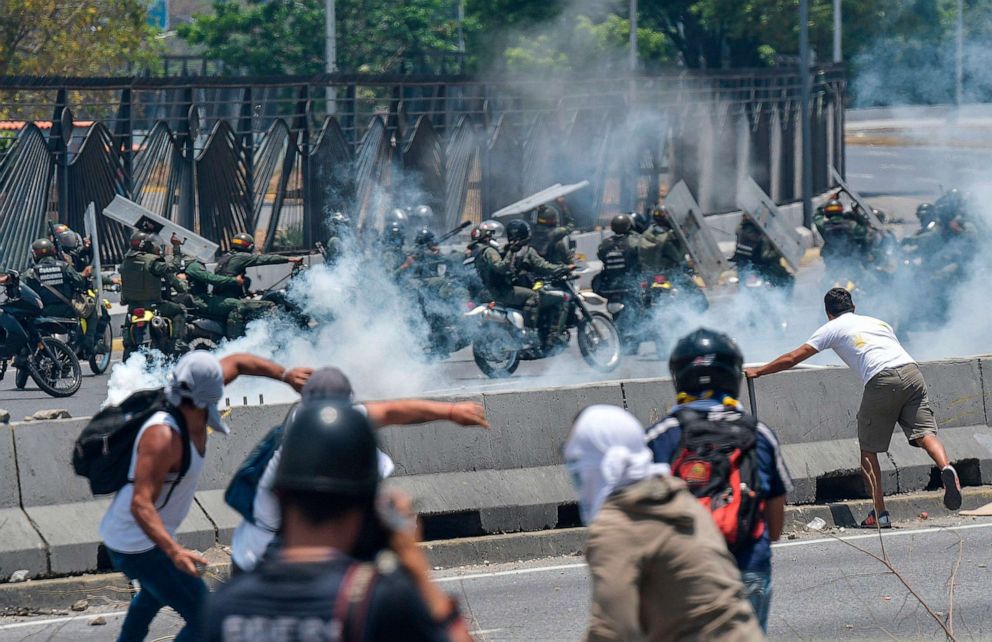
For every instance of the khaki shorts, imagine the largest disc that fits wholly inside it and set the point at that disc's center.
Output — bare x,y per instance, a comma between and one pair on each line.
894,395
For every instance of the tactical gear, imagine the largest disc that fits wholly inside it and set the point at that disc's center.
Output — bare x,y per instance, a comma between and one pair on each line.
661,216
488,230
338,220
706,361
621,224
423,213
748,239
236,264
242,243
144,242
518,231
69,240
394,234
42,248
547,216
833,207
141,278
425,239
328,447
396,215
639,221
621,273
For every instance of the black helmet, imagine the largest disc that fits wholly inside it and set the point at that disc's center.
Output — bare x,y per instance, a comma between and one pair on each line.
242,243
661,215
42,248
706,360
518,231
621,224
69,240
924,212
328,447
640,222
547,216
425,238
488,230
144,242
394,234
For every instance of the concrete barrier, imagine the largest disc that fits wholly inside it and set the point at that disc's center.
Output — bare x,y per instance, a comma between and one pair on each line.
470,482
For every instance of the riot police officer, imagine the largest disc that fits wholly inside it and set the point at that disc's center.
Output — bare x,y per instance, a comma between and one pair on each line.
551,240
845,236
58,284
78,250
756,254
496,273
339,228
393,253
662,251
241,257
147,281
620,257
527,267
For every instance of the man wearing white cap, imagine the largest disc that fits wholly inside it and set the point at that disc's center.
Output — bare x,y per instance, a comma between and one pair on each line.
139,529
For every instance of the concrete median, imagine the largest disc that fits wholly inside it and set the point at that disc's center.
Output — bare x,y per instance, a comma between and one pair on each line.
508,479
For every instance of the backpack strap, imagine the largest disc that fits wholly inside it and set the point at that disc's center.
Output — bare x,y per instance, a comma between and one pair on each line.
187,454
354,596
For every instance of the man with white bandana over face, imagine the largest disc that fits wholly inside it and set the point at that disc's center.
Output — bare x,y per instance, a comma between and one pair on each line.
660,568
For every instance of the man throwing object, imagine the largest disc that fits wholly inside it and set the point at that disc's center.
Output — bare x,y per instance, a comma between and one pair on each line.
894,392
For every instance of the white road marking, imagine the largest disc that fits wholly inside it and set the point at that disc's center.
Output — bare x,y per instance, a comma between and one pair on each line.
561,567
868,176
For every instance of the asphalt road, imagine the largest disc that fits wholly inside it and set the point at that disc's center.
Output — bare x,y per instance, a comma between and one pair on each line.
823,590
923,171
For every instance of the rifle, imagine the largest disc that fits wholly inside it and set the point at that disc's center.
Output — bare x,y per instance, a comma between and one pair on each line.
447,235
56,241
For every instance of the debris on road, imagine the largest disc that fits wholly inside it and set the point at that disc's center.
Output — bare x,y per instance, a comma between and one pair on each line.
816,524
48,415
19,576
924,515
4,417
80,605
98,621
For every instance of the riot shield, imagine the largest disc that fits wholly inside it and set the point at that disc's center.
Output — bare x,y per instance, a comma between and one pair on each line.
133,215
89,226
869,213
691,227
760,208
540,198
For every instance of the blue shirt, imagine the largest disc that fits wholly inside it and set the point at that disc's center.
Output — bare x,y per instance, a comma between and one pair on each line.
665,437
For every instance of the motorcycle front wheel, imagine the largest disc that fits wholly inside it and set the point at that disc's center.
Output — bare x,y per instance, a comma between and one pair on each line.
599,342
496,352
100,361
58,377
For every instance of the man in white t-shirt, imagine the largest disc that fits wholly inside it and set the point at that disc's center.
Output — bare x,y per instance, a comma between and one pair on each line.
894,392
139,528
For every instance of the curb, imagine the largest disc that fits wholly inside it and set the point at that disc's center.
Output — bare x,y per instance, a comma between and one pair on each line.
42,596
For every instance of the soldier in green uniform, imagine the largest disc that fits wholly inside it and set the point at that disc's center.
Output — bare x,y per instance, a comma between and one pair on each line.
339,229
57,283
551,240
146,281
756,254
846,237
527,267
241,257
662,252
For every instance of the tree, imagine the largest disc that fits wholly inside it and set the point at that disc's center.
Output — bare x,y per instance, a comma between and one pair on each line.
75,37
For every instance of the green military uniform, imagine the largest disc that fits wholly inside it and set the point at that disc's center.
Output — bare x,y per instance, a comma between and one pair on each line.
661,251
333,250
755,252
233,313
526,265
553,244
844,236
143,275
236,264
496,274
63,283
620,256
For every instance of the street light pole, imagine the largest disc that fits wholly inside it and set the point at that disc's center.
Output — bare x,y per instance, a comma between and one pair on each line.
959,58
633,36
838,54
330,52
805,91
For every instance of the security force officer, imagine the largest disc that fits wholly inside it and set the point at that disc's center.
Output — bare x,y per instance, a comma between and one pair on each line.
527,267
146,277
620,255
339,227
551,240
496,273
755,253
241,257
57,283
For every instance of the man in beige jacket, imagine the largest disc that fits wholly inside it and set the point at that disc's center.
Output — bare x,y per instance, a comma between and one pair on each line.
660,568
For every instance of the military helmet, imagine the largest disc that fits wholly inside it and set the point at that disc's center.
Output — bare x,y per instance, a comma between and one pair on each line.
639,221
547,216
833,206
423,212
42,248
328,447
242,242
706,360
394,234
338,219
487,230
68,239
661,215
396,215
621,224
518,231
425,238
144,242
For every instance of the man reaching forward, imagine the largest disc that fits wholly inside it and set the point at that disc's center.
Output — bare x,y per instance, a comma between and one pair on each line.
894,392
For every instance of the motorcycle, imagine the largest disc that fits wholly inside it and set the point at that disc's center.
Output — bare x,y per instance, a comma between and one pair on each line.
26,341
76,331
503,340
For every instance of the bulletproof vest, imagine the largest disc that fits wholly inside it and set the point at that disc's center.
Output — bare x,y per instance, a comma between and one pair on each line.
51,272
543,239
138,284
233,264
486,274
747,244
196,286
615,257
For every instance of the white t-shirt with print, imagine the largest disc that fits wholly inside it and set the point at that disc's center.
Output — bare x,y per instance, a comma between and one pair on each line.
865,344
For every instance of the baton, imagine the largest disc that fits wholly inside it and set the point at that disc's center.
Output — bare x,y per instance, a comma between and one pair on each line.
750,396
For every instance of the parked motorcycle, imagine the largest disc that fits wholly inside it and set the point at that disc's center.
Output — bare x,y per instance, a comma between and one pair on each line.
503,340
26,341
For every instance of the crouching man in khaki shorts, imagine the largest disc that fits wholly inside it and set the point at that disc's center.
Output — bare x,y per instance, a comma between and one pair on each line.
895,392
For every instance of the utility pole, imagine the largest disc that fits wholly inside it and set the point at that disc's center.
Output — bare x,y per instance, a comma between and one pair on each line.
330,52
461,35
838,54
807,89
959,58
633,36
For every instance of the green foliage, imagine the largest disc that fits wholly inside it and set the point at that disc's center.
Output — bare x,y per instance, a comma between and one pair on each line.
75,38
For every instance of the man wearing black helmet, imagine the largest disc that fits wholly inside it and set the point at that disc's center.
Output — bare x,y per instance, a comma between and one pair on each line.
551,240
57,283
527,268
339,229
241,257
78,250
327,482
756,254
620,279
147,281
706,369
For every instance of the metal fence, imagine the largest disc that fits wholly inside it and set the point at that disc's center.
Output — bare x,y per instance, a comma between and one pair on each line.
275,156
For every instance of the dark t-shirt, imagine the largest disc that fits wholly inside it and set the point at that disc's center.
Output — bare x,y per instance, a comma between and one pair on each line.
283,602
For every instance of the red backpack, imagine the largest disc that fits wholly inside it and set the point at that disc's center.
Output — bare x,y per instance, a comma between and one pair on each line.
719,463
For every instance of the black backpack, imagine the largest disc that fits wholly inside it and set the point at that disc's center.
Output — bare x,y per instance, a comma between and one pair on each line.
240,493
719,463
102,453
